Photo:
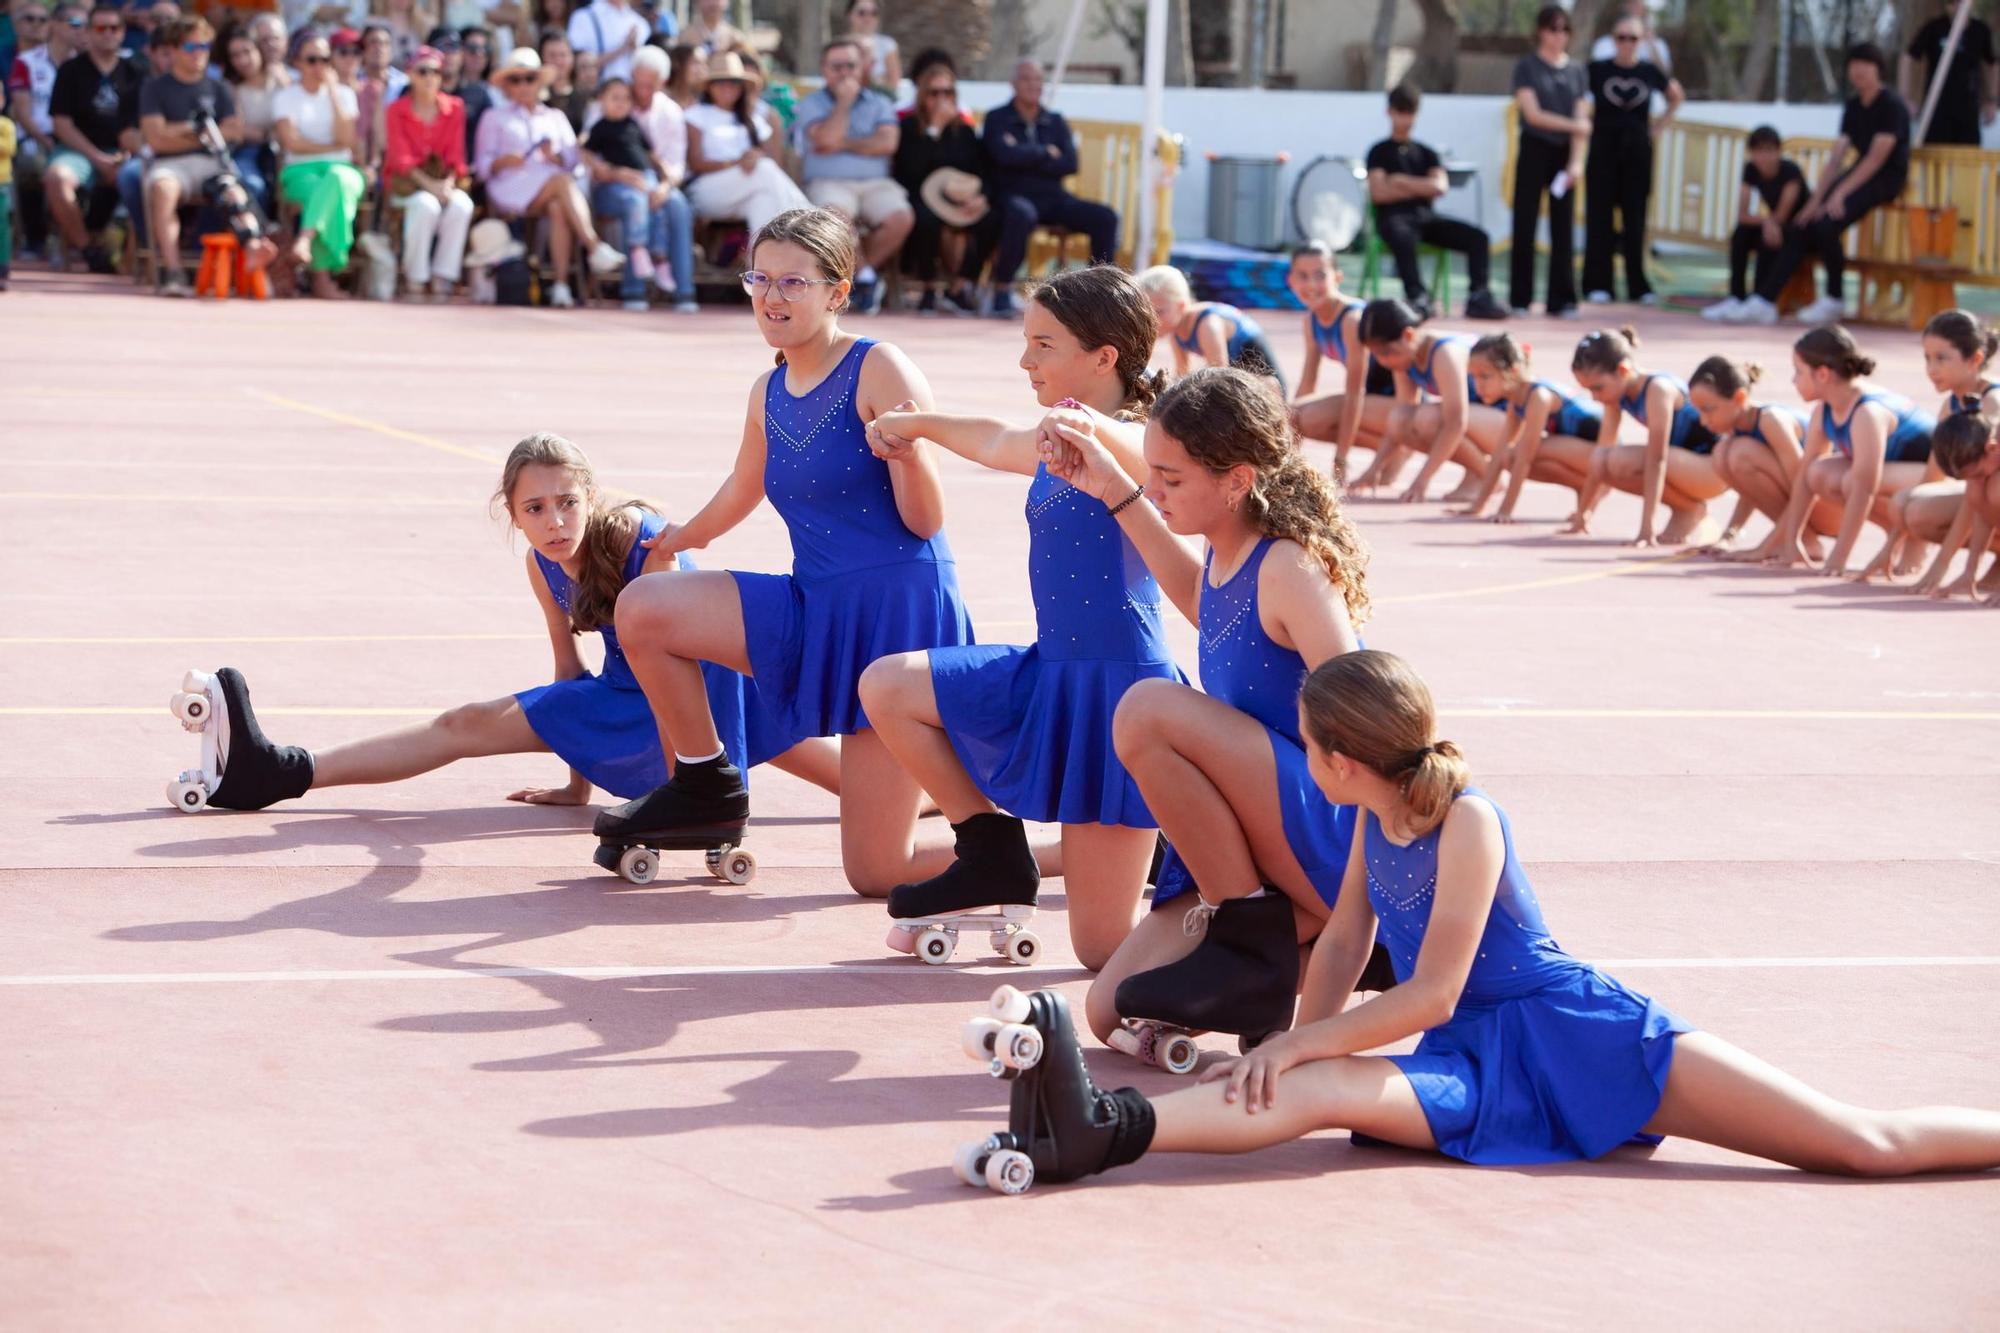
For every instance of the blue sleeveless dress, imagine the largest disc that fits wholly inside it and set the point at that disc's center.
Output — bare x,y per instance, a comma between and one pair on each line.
1909,439
1245,668
862,585
1686,431
1545,1059
1245,335
1576,417
601,726
1033,725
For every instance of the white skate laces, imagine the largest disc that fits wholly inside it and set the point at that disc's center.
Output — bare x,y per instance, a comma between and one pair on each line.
1196,920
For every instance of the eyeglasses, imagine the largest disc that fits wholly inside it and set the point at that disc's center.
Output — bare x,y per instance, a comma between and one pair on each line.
425,69
107,27
1622,37
312,60
76,22
194,48
517,78
941,92
347,50
839,66
791,287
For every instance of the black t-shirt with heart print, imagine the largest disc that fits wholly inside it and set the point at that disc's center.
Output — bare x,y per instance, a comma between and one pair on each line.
1621,100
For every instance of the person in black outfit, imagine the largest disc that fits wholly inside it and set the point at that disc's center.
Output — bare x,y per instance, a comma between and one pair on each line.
1779,182
95,107
1618,177
935,136
1549,90
1971,80
1028,151
1875,124
1404,176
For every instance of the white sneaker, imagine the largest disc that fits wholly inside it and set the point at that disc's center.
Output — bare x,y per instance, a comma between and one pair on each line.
638,305
1756,310
604,260
1724,311
1598,298
560,296
1650,298
687,307
1826,310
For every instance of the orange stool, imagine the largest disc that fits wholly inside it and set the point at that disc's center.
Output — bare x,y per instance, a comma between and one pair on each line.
223,270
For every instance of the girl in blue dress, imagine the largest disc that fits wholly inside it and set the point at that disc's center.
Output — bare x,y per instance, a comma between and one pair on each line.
1434,402
1864,445
999,734
1525,1054
871,571
583,550
1758,448
1218,333
1281,585
1359,413
1671,468
1544,432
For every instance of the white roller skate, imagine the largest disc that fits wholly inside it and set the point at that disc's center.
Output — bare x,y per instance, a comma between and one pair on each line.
933,938
199,706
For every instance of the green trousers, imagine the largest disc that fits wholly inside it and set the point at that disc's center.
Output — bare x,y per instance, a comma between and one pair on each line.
329,193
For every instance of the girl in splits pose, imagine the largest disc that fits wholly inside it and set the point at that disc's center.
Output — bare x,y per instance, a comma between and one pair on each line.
871,571
1220,334
1434,402
1672,467
1282,585
1758,449
1000,734
1540,430
1525,1054
1360,411
583,549
1864,445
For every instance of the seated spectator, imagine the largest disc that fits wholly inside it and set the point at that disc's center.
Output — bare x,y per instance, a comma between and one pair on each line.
847,134
711,33
317,129
1875,127
625,185
1404,178
424,167
527,155
268,31
465,77
407,23
1029,150
170,105
611,30
95,111
377,84
48,38
669,241
878,48
255,85
1779,183
8,143
688,76
559,87
345,45
1971,79
730,173
938,142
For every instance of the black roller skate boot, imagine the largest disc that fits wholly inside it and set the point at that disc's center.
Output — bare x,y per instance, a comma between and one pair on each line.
254,772
1059,1126
995,870
1242,979
705,806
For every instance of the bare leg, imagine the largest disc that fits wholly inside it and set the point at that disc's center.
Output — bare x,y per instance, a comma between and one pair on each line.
1154,942
59,189
1356,1092
878,820
901,702
670,623
163,201
1104,872
495,726
1719,1094
816,761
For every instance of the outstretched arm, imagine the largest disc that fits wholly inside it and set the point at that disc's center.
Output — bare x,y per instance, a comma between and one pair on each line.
986,441
736,499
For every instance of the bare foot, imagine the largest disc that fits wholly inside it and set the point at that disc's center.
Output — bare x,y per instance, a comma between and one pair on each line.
1462,495
257,256
325,288
1911,559
302,250
1579,523
1685,525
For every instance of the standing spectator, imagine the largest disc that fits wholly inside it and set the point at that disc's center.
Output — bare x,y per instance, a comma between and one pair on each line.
847,134
47,40
318,129
1971,80
1549,90
731,175
1652,46
1404,178
1779,184
688,75
1029,150
527,156
269,32
95,111
878,48
256,86
713,34
169,106
424,167
937,138
1875,125
613,31
1618,178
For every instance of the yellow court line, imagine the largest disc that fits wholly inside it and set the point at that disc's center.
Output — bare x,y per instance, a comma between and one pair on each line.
1526,714
378,427
187,497
144,639
1623,567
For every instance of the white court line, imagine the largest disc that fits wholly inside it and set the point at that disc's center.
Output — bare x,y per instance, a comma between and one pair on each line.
849,969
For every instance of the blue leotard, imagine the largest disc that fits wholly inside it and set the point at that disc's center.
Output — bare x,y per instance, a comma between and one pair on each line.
1961,404
601,725
862,584
1246,335
1686,432
1425,376
1573,416
1332,343
1909,439
1545,1058
1767,410
1245,668
1032,725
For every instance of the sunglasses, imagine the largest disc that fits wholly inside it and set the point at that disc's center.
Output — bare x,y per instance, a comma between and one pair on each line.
1622,37
839,66
518,78
312,60
425,69
73,23
195,48
941,92
347,50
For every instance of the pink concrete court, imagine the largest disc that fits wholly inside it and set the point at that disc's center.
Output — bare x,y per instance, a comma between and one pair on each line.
403,1058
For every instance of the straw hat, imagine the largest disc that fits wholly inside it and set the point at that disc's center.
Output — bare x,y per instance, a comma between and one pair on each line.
958,197
728,65
491,243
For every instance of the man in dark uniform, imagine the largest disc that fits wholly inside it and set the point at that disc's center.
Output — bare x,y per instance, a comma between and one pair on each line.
1971,78
1028,151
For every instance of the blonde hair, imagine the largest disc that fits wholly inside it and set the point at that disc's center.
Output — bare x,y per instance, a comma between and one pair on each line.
1225,418
608,529
1373,708
1165,280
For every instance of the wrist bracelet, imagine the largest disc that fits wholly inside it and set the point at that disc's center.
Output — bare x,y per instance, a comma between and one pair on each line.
1127,501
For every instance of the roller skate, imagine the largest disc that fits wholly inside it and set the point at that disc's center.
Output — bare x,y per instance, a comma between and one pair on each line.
1059,1126
991,886
1242,979
239,768
704,807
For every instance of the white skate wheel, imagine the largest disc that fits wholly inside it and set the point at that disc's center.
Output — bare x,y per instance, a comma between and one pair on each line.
638,864
969,1163
1126,1040
1017,1046
1023,947
934,946
1009,1005
192,710
738,866
1010,1171
1177,1054
978,1037
195,682
902,939
187,796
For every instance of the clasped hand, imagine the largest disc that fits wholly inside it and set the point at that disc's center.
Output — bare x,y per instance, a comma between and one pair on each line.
1067,441
1253,1080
